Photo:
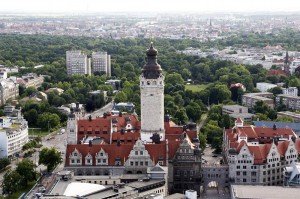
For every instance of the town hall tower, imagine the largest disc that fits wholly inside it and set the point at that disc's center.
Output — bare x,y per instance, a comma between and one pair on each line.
152,98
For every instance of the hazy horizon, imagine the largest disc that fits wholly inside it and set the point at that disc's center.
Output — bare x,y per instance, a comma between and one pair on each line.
155,6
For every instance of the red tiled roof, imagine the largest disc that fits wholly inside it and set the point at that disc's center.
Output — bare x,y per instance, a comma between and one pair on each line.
103,126
261,135
239,120
126,136
276,73
155,151
113,150
282,147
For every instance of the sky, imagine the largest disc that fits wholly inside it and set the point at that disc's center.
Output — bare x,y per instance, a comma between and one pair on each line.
199,6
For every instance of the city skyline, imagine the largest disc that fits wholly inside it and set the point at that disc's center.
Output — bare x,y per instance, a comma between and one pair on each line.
201,6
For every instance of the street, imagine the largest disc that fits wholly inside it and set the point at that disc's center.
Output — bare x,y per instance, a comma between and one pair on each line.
56,140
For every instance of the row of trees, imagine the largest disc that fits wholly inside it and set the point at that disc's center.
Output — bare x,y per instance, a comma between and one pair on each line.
212,131
17,179
14,180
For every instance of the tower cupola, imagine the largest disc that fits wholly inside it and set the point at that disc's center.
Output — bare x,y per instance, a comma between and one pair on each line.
152,69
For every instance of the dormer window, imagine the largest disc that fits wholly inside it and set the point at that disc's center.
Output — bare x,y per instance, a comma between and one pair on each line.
75,154
118,161
101,158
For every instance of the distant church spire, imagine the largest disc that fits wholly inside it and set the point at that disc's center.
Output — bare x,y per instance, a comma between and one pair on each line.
286,61
286,65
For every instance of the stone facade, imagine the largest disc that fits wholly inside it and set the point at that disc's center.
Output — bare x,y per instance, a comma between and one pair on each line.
152,98
186,168
258,155
138,160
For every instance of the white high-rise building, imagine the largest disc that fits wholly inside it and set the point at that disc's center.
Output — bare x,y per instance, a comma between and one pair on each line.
77,63
152,98
101,63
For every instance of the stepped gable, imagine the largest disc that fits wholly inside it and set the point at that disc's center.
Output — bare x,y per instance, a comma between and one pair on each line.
112,150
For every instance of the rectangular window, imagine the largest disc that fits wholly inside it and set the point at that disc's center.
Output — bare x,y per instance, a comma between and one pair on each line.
136,164
136,153
141,152
191,173
131,163
146,163
104,160
141,163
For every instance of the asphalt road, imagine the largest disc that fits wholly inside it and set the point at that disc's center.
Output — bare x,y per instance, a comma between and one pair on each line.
58,141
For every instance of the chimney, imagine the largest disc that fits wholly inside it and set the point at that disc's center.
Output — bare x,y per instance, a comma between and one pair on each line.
90,117
90,143
274,127
118,143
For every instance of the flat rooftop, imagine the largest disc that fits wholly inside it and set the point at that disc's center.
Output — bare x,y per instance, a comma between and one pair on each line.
264,192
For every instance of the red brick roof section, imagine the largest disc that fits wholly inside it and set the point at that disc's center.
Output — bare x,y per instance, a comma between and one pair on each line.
113,150
155,151
276,73
239,120
101,127
265,137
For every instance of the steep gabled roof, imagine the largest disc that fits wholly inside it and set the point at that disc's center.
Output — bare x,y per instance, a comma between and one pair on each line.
113,150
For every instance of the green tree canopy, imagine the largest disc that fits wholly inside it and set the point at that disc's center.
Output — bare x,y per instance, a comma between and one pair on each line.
50,158
26,169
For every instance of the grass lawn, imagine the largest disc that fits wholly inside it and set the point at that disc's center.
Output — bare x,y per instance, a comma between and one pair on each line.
196,88
21,191
37,131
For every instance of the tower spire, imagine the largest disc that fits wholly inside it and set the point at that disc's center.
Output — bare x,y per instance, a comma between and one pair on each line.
286,66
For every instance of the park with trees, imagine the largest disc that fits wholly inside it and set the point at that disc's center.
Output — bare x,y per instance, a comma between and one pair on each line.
127,60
